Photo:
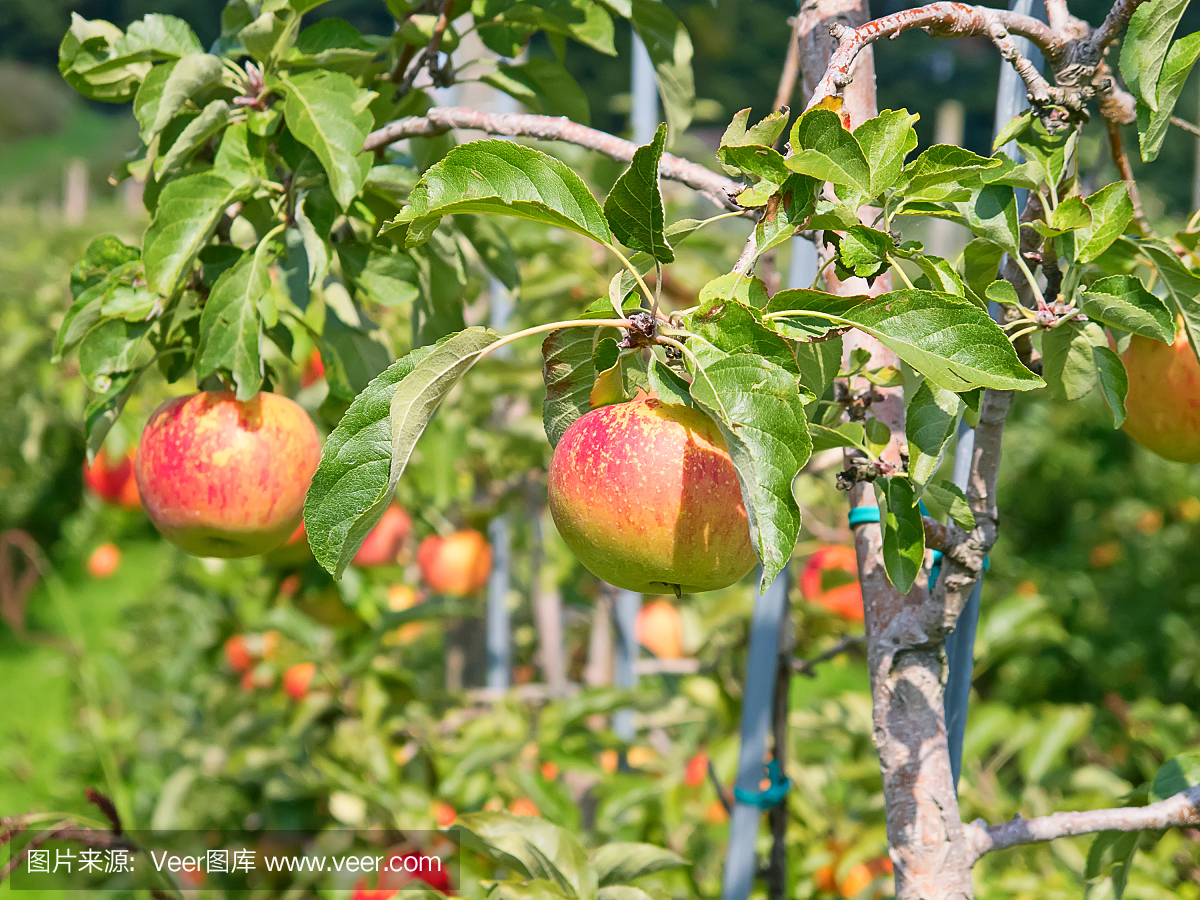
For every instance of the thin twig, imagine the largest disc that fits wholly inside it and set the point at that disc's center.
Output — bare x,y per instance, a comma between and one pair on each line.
722,792
791,67
1180,810
1117,147
846,644
1185,125
554,128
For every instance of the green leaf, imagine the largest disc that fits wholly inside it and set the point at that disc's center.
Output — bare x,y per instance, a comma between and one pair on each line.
903,531
569,372
1123,302
609,387
380,274
1182,284
669,385
981,262
798,198
733,327
114,346
241,155
1070,215
504,178
535,889
1112,211
368,450
848,434
864,251
1067,361
1114,382
763,134
946,498
992,214
187,77
439,308
824,149
944,164
949,340
230,327
105,408
885,141
493,247
87,60
1145,45
544,86
670,49
584,21
1177,775
818,362
325,112
1014,129
929,426
1046,152
188,211
1112,852
1152,123
621,863
159,37
533,847
634,208
760,411
316,210
211,121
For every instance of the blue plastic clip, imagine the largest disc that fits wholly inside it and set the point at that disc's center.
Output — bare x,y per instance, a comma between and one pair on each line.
772,796
936,569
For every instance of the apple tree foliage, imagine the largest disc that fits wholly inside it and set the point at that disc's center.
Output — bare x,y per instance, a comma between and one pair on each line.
261,191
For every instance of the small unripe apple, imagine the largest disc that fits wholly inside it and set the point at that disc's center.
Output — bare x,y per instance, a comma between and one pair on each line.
104,561
297,678
1162,407
223,477
113,481
457,565
660,630
384,542
844,599
646,496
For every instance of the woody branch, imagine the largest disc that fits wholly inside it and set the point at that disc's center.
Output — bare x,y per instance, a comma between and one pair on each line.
554,128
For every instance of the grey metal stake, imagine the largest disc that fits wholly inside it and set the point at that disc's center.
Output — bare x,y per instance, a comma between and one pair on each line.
625,613
1011,99
499,629
766,634
643,115
741,862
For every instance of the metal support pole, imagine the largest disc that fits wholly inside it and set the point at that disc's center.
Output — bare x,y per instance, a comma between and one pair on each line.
643,115
625,613
770,609
960,644
499,642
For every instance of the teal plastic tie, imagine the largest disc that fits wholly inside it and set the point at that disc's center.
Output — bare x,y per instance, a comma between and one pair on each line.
774,793
861,515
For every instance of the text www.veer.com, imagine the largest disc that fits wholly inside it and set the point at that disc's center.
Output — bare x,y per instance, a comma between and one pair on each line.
410,863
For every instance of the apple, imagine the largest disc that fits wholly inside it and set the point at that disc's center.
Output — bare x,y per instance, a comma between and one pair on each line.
457,565
113,482
696,771
844,599
297,678
646,496
659,629
104,561
224,477
1162,407
314,369
549,770
385,540
443,813
238,654
523,806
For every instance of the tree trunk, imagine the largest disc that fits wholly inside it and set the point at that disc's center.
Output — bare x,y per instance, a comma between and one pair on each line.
904,653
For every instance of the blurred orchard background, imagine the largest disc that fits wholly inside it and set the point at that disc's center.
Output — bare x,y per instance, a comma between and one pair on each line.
260,693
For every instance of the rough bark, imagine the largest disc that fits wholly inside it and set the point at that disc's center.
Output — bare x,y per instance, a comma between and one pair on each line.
932,859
